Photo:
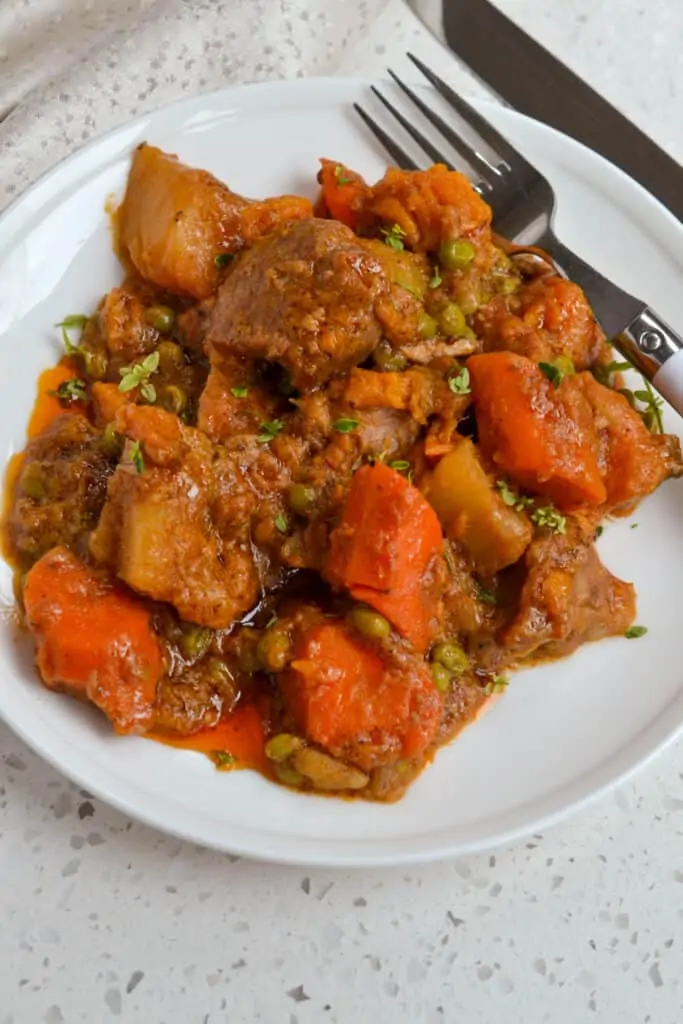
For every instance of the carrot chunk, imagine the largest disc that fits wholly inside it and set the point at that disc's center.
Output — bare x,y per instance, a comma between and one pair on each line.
343,193
386,549
348,700
540,436
94,639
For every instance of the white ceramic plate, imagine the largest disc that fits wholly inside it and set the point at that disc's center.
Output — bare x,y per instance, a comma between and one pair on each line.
562,733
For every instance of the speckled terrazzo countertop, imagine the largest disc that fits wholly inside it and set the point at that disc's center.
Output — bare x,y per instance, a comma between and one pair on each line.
104,920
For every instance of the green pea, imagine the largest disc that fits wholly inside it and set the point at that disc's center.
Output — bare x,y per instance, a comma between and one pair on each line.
452,320
171,356
95,362
273,650
112,442
441,676
456,254
388,359
33,482
370,624
195,641
451,656
282,746
427,326
161,318
288,775
173,398
506,284
302,498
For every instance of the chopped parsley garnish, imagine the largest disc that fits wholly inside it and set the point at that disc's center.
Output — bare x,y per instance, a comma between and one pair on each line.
340,176
70,391
137,376
222,759
460,383
496,685
486,595
436,279
553,373
634,526
549,518
394,237
400,465
512,498
345,426
269,429
73,322
240,392
223,258
281,523
136,457
599,530
634,632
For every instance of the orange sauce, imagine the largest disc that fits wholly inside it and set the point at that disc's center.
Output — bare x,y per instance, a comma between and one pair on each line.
48,407
240,735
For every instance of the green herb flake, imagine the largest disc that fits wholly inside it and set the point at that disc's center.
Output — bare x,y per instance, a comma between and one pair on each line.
271,621
436,279
240,392
72,322
554,374
496,685
136,457
485,595
346,426
599,530
281,523
460,383
223,259
394,237
222,759
269,430
149,392
400,465
341,177
634,526
513,498
550,519
409,289
70,391
137,376
634,632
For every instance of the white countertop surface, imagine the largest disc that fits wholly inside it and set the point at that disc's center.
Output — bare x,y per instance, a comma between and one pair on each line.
104,920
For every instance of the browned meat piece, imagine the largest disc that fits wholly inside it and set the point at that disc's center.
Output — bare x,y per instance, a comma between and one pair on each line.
633,462
303,298
547,318
235,401
175,220
157,531
195,700
122,324
568,597
192,325
60,491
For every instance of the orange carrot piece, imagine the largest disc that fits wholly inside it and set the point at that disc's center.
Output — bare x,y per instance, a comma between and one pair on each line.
385,548
530,431
343,193
346,699
48,407
94,639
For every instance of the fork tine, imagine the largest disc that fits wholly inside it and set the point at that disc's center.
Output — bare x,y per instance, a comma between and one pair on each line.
423,142
479,164
489,134
399,155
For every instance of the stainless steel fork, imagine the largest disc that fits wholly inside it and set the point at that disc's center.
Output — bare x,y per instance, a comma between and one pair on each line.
523,203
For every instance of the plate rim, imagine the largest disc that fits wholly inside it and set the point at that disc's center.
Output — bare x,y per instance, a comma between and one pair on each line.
312,851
